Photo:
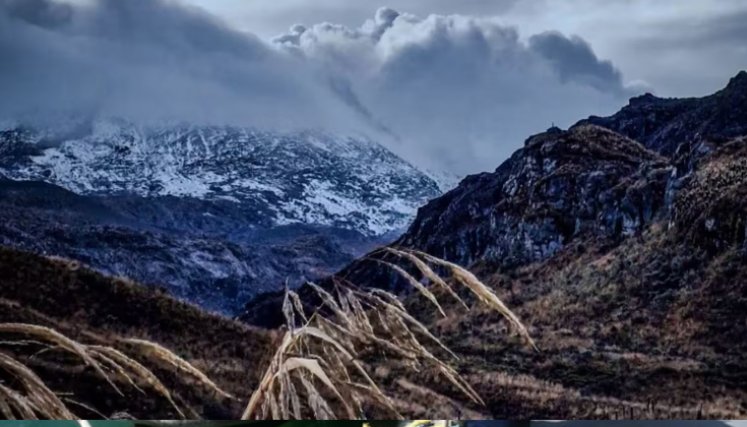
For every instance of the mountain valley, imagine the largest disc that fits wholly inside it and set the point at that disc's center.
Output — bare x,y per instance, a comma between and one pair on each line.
620,243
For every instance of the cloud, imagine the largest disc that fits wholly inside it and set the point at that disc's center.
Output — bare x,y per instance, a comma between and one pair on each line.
449,92
150,60
573,59
269,17
460,92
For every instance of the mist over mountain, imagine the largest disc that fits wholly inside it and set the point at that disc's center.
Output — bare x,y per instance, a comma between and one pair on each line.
430,213
154,60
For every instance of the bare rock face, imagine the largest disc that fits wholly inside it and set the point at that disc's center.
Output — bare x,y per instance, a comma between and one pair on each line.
562,184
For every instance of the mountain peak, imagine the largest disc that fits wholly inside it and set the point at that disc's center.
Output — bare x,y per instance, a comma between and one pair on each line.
306,177
739,81
666,124
646,98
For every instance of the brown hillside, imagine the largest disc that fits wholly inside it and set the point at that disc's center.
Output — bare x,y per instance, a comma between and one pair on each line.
95,309
653,326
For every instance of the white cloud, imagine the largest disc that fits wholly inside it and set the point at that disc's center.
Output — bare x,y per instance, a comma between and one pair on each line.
460,92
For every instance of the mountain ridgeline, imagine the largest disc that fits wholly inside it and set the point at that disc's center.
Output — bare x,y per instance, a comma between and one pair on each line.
610,176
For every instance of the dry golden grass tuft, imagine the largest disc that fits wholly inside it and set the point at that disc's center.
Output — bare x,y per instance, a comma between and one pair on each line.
320,359
30,398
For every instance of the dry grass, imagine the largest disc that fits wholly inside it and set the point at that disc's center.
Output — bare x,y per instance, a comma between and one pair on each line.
320,358
320,368
158,353
32,399
29,397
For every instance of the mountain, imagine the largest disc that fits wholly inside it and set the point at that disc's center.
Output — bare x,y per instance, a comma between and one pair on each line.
280,178
621,242
678,125
561,185
608,176
213,214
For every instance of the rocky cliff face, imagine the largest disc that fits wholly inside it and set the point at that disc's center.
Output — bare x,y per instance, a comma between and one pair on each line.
562,184
605,176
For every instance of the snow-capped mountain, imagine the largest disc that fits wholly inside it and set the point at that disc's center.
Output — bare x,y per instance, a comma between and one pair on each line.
307,177
215,215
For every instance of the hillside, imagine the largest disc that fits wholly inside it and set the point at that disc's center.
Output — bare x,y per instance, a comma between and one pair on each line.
174,243
625,259
96,309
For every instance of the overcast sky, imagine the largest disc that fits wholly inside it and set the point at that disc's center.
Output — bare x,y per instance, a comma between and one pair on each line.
679,47
455,85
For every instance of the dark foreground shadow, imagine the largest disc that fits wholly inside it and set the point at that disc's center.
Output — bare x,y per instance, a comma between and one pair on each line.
610,423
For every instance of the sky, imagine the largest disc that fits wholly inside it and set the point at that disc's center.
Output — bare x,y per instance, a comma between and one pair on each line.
450,85
649,40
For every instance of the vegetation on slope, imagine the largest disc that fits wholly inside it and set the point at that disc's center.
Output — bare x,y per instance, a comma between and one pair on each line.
74,362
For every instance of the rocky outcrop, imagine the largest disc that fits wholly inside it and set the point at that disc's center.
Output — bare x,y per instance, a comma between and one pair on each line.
673,126
711,209
562,184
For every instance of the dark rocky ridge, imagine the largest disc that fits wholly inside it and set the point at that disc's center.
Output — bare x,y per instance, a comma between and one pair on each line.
562,184
675,125
604,178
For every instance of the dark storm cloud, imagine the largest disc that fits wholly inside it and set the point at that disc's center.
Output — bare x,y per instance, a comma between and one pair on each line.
449,92
573,59
148,59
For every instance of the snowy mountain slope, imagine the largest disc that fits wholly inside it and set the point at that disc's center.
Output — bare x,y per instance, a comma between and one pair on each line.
286,178
214,215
